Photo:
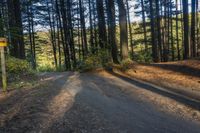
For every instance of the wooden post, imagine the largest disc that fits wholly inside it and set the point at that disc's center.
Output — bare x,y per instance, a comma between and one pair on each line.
3,44
3,68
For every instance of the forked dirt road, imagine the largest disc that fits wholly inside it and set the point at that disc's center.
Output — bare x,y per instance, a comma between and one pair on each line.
91,103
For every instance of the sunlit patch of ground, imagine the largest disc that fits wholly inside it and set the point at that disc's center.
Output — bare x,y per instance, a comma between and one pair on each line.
173,74
63,101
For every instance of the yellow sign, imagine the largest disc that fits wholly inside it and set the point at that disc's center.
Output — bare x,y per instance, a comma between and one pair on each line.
3,42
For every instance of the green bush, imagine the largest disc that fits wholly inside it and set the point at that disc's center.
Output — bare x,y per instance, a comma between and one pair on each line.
17,66
46,68
90,62
93,61
127,64
143,57
104,57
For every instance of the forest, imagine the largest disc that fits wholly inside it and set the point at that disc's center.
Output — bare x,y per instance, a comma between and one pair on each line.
72,30
84,66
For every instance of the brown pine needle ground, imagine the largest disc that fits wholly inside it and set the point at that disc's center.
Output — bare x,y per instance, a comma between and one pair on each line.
184,76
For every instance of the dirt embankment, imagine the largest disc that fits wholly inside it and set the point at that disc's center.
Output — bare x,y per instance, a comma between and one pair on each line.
182,76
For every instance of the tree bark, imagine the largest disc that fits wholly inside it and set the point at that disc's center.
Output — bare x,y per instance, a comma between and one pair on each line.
186,29
112,30
101,24
123,30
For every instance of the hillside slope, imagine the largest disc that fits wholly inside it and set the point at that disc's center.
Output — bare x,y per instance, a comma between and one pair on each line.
181,76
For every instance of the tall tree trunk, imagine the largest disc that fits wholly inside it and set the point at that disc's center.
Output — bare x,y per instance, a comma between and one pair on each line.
172,37
33,63
101,24
82,18
153,40
1,21
165,36
182,27
177,33
16,30
95,27
123,30
91,28
144,25
62,35
186,29
130,28
12,25
66,46
193,29
112,30
198,27
70,33
20,38
33,38
158,30
53,41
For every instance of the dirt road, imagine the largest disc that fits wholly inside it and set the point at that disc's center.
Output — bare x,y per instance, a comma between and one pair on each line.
91,103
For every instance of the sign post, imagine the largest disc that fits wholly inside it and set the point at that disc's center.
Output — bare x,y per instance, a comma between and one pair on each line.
3,43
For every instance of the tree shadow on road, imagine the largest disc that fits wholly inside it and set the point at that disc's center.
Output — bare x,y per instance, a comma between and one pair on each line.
24,110
102,104
80,103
